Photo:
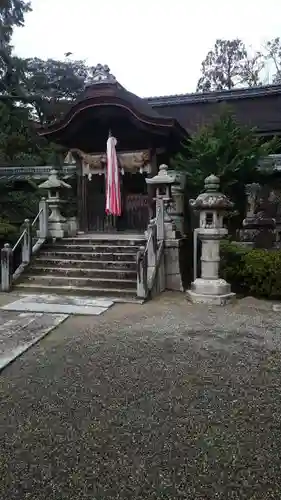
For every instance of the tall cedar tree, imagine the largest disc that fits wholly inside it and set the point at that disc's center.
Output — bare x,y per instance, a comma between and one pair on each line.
227,65
228,150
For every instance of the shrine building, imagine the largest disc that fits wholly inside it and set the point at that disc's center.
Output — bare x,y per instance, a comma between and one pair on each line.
149,132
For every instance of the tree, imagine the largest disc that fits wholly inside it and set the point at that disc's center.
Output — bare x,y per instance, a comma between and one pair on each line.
20,145
19,141
12,14
52,84
227,65
228,150
251,70
273,55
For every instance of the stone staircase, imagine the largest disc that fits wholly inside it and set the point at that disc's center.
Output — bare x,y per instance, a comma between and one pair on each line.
85,265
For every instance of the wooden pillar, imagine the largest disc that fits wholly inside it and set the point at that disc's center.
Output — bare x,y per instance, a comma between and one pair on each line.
79,193
150,192
84,203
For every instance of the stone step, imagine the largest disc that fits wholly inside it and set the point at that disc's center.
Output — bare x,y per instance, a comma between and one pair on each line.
101,242
91,248
100,283
117,265
120,294
72,272
105,256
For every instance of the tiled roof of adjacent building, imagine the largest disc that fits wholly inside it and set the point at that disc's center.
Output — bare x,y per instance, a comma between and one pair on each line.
258,107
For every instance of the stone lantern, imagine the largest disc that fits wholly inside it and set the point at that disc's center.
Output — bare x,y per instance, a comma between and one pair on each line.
57,224
163,182
212,205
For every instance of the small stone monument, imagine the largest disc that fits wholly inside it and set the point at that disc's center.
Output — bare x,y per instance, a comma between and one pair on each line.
176,209
212,206
57,224
258,226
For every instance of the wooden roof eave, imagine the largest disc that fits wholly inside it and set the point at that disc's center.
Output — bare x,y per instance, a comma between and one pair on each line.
152,122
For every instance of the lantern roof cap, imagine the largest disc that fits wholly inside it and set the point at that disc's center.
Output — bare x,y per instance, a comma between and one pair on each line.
212,198
163,177
212,183
53,182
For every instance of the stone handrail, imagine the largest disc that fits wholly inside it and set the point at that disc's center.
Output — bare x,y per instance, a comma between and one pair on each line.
150,259
8,275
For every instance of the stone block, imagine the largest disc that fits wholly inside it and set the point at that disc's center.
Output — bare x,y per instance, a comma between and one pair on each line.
215,300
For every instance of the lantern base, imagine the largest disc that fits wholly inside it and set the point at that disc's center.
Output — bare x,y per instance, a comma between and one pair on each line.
212,300
57,229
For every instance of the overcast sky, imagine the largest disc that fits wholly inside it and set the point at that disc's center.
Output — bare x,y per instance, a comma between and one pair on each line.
153,47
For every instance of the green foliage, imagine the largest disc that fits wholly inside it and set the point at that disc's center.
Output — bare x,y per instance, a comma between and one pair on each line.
53,84
18,201
20,145
19,142
253,272
6,229
232,265
12,14
228,150
55,79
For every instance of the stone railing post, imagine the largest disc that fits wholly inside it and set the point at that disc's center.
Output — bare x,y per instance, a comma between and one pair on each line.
142,287
27,242
151,248
43,219
6,268
160,220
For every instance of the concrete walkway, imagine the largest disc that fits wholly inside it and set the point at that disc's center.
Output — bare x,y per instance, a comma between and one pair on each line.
20,331
26,319
162,401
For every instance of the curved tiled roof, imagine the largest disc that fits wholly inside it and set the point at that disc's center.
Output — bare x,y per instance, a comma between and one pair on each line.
105,91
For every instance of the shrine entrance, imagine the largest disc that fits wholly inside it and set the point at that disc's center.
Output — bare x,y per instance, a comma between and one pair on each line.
135,204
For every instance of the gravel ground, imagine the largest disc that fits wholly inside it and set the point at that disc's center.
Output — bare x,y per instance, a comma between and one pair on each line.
162,401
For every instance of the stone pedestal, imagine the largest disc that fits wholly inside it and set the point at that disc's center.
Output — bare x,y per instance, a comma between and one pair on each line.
210,289
173,273
57,223
170,230
213,292
258,231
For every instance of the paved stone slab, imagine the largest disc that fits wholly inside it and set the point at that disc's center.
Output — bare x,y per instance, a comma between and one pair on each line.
60,305
18,332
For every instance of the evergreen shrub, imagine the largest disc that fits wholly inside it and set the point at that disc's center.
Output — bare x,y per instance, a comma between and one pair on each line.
255,272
